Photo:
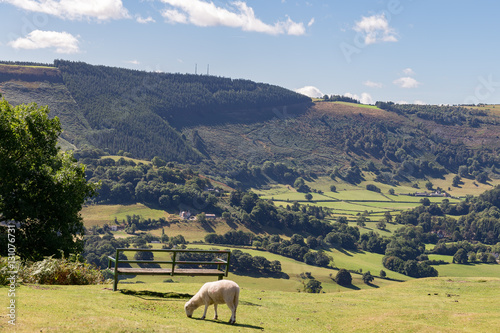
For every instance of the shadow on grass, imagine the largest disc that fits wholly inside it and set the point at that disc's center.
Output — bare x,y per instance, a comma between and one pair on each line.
351,286
155,296
228,324
372,285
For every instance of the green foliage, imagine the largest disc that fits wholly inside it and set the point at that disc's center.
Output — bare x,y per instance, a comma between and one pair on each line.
135,111
368,278
244,263
343,277
371,187
60,271
300,185
312,286
41,189
460,257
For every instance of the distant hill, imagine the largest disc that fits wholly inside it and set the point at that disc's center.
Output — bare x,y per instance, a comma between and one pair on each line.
139,112
253,133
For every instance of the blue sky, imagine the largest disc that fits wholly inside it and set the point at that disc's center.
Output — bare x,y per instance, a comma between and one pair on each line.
412,51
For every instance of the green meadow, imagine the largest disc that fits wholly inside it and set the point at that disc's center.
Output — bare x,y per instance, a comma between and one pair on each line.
424,305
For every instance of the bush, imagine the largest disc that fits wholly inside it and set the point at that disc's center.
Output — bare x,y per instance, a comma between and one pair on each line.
343,277
312,286
61,272
371,187
367,277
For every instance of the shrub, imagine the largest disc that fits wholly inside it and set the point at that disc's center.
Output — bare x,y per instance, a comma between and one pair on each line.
60,271
367,277
343,277
312,286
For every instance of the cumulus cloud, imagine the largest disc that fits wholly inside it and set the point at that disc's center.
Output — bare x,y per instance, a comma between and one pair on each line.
146,20
364,99
372,84
63,42
408,71
75,9
406,82
376,29
310,91
133,62
236,15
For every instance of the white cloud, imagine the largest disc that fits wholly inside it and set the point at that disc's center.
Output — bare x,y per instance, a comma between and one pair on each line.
364,99
311,22
310,91
419,102
372,84
174,16
406,82
63,42
133,62
408,71
376,29
237,15
146,20
75,9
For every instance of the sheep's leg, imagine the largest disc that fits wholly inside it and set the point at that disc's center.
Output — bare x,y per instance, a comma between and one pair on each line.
205,312
215,309
232,307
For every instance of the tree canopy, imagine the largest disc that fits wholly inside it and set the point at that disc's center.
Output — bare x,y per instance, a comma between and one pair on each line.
42,189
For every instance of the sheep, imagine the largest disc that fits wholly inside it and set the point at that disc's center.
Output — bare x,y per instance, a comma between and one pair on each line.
218,292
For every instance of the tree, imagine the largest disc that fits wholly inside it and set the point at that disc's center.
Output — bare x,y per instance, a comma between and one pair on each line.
367,277
308,196
313,286
343,277
456,181
388,217
201,218
460,257
463,171
333,188
425,202
300,185
429,185
381,224
42,190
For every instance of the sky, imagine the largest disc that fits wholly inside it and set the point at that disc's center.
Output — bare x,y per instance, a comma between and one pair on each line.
406,51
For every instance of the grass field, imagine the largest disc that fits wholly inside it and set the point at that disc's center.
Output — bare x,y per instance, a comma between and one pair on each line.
102,214
351,199
425,305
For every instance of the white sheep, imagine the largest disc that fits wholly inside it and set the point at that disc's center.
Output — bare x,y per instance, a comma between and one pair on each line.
218,292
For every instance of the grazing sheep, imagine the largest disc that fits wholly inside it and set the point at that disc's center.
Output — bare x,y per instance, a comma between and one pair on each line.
218,292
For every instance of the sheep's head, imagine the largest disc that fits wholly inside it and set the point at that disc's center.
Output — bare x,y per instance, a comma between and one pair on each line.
189,308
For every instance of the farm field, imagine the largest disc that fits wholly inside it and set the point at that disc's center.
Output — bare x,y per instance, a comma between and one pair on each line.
105,214
423,305
350,200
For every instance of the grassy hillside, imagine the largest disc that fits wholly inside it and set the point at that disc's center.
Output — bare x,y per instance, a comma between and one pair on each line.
426,305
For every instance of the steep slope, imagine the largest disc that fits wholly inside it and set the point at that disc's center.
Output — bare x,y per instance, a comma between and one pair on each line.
44,86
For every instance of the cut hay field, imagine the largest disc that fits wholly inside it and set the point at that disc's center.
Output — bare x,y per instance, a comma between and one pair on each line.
425,305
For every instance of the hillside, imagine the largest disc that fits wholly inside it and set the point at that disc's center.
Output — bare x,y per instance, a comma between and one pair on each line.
230,128
138,112
426,305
